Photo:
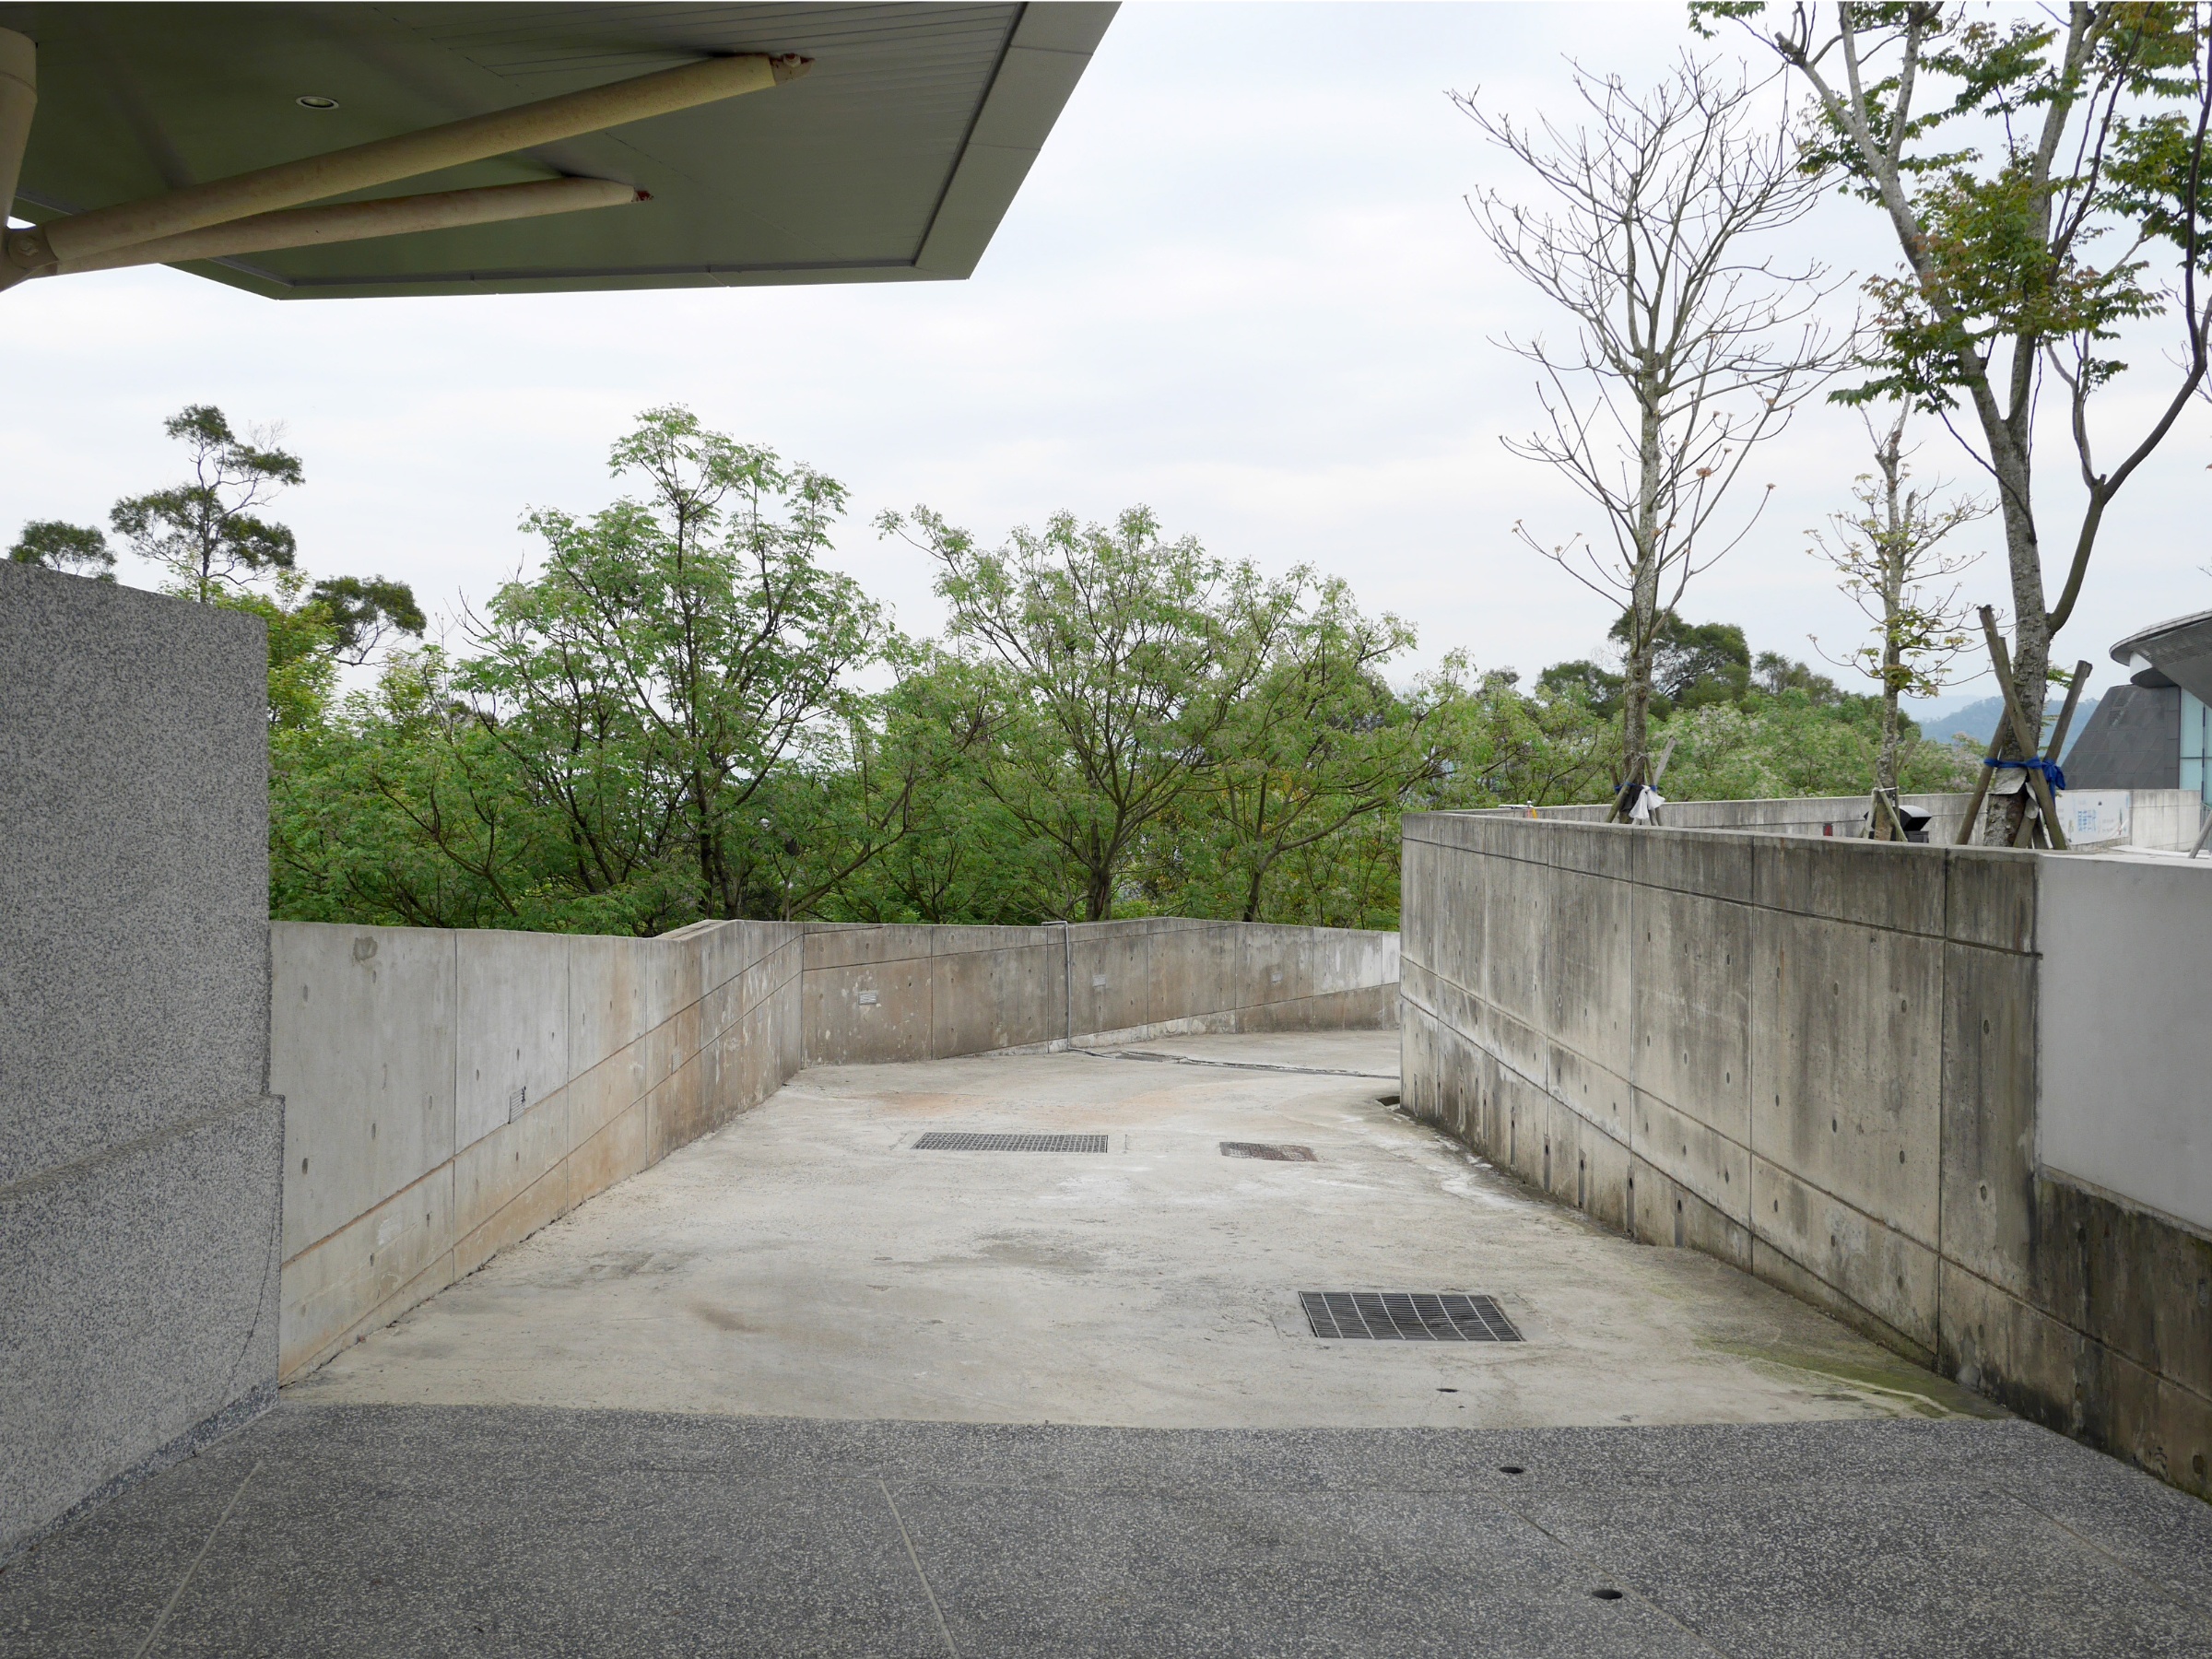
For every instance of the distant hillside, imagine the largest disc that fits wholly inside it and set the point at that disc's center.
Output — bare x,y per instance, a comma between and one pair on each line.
1978,721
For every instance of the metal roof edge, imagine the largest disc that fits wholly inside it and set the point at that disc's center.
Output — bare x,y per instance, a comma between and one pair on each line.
1047,52
2133,645
611,279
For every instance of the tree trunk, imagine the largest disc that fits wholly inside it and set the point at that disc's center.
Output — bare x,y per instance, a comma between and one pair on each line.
2030,645
1643,594
1885,763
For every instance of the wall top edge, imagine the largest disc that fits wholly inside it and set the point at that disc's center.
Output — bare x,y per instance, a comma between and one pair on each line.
1840,846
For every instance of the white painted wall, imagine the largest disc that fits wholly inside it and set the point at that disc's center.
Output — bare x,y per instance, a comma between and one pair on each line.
2125,1019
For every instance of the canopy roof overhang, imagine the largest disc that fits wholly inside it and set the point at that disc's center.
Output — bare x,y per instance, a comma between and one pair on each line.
804,143
2180,650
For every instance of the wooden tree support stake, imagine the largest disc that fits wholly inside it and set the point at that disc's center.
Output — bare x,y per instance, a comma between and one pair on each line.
2039,785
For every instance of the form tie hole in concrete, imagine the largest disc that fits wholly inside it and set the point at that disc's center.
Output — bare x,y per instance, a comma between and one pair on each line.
1605,1594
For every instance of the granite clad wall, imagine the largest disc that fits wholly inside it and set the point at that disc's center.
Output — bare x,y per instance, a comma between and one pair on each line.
139,1147
1819,1061
448,1093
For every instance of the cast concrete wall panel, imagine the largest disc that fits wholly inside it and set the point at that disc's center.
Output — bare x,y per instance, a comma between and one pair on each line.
1009,994
1989,1086
1846,1064
587,1060
610,999
1691,984
362,1049
511,1026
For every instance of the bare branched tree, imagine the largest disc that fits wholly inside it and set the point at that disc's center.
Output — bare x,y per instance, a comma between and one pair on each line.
1890,556
1690,347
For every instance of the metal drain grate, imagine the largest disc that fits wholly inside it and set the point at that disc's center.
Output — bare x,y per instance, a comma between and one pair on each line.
1274,1152
947,1140
1408,1315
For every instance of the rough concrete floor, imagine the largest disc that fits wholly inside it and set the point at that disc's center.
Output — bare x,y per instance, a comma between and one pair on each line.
762,1311
808,1261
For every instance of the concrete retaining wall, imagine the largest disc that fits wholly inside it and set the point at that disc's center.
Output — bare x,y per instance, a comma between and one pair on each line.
448,1093
914,993
139,1147
1818,1062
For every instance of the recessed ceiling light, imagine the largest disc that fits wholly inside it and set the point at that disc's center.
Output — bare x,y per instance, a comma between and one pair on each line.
315,101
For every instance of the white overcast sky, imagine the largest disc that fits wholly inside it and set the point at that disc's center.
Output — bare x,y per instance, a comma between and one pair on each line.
1240,285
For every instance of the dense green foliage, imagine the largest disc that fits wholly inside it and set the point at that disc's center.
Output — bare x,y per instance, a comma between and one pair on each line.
685,712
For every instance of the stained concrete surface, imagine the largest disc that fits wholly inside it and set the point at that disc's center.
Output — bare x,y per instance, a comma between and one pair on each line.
808,1262
457,1484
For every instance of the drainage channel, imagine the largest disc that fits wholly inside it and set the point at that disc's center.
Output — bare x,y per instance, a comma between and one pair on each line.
1406,1316
948,1140
1311,1071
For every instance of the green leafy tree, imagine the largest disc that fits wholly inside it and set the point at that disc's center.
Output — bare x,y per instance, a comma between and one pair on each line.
1692,663
1593,685
2043,176
673,693
365,611
207,532
74,549
1119,658
1505,747
965,858
1800,741
1317,743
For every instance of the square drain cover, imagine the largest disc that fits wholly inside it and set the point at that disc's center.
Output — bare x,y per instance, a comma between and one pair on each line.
1408,1315
946,1140
1274,1152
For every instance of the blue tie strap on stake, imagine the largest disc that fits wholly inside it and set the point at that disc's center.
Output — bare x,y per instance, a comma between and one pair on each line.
2051,775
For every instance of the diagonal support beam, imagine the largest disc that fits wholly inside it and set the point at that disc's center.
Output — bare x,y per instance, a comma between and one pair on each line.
356,221
69,241
18,98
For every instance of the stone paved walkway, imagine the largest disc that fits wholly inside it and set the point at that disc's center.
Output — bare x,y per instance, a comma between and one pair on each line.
803,1389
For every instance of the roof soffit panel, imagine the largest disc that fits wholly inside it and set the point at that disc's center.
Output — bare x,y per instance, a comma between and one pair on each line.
854,172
